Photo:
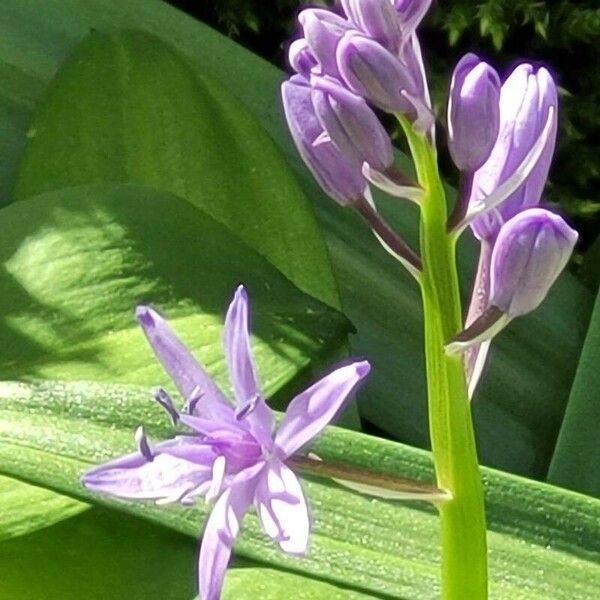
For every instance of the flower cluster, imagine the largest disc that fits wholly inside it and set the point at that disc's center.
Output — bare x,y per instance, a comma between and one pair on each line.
229,453
345,65
502,137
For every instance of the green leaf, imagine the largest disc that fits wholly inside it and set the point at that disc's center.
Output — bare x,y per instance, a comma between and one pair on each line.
106,552
26,508
544,542
98,555
577,455
142,116
522,398
74,263
271,584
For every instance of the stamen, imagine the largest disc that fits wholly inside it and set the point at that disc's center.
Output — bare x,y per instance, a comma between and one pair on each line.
143,445
195,397
163,398
247,407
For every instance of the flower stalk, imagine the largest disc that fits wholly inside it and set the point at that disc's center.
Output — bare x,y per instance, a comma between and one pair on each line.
463,529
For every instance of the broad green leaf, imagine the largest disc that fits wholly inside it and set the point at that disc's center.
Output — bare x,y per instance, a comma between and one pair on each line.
544,542
99,555
143,116
522,398
26,508
74,263
577,455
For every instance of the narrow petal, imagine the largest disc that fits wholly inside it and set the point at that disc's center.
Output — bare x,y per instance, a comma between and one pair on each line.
237,348
281,507
172,470
255,412
221,529
187,374
519,176
313,409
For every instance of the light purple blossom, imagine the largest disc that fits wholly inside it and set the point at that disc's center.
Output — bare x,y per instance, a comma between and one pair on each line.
531,250
340,175
411,13
232,453
377,19
323,31
473,112
528,107
375,73
350,123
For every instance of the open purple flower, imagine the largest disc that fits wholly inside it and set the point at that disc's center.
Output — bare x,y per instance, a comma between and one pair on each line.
233,453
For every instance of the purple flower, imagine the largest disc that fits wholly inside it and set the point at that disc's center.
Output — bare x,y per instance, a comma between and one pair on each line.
350,123
531,250
232,454
377,19
514,175
411,13
375,73
473,112
323,31
340,175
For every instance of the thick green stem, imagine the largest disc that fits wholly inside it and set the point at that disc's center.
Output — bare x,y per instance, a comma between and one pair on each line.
463,530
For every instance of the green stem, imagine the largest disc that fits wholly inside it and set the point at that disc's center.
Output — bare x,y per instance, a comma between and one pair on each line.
463,529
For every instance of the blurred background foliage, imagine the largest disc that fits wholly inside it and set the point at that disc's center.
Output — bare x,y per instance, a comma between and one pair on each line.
560,34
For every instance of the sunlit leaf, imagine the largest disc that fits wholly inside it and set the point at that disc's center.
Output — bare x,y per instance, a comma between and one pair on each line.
544,542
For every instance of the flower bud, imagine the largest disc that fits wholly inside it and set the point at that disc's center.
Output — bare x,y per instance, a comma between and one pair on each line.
376,18
375,73
340,176
300,57
526,98
411,13
323,30
473,113
531,250
351,124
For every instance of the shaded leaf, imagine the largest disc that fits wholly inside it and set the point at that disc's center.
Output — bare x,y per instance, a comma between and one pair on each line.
98,555
26,508
577,455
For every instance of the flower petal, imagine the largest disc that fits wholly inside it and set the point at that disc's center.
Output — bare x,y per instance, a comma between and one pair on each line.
178,468
313,409
253,410
221,529
237,348
187,373
281,507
